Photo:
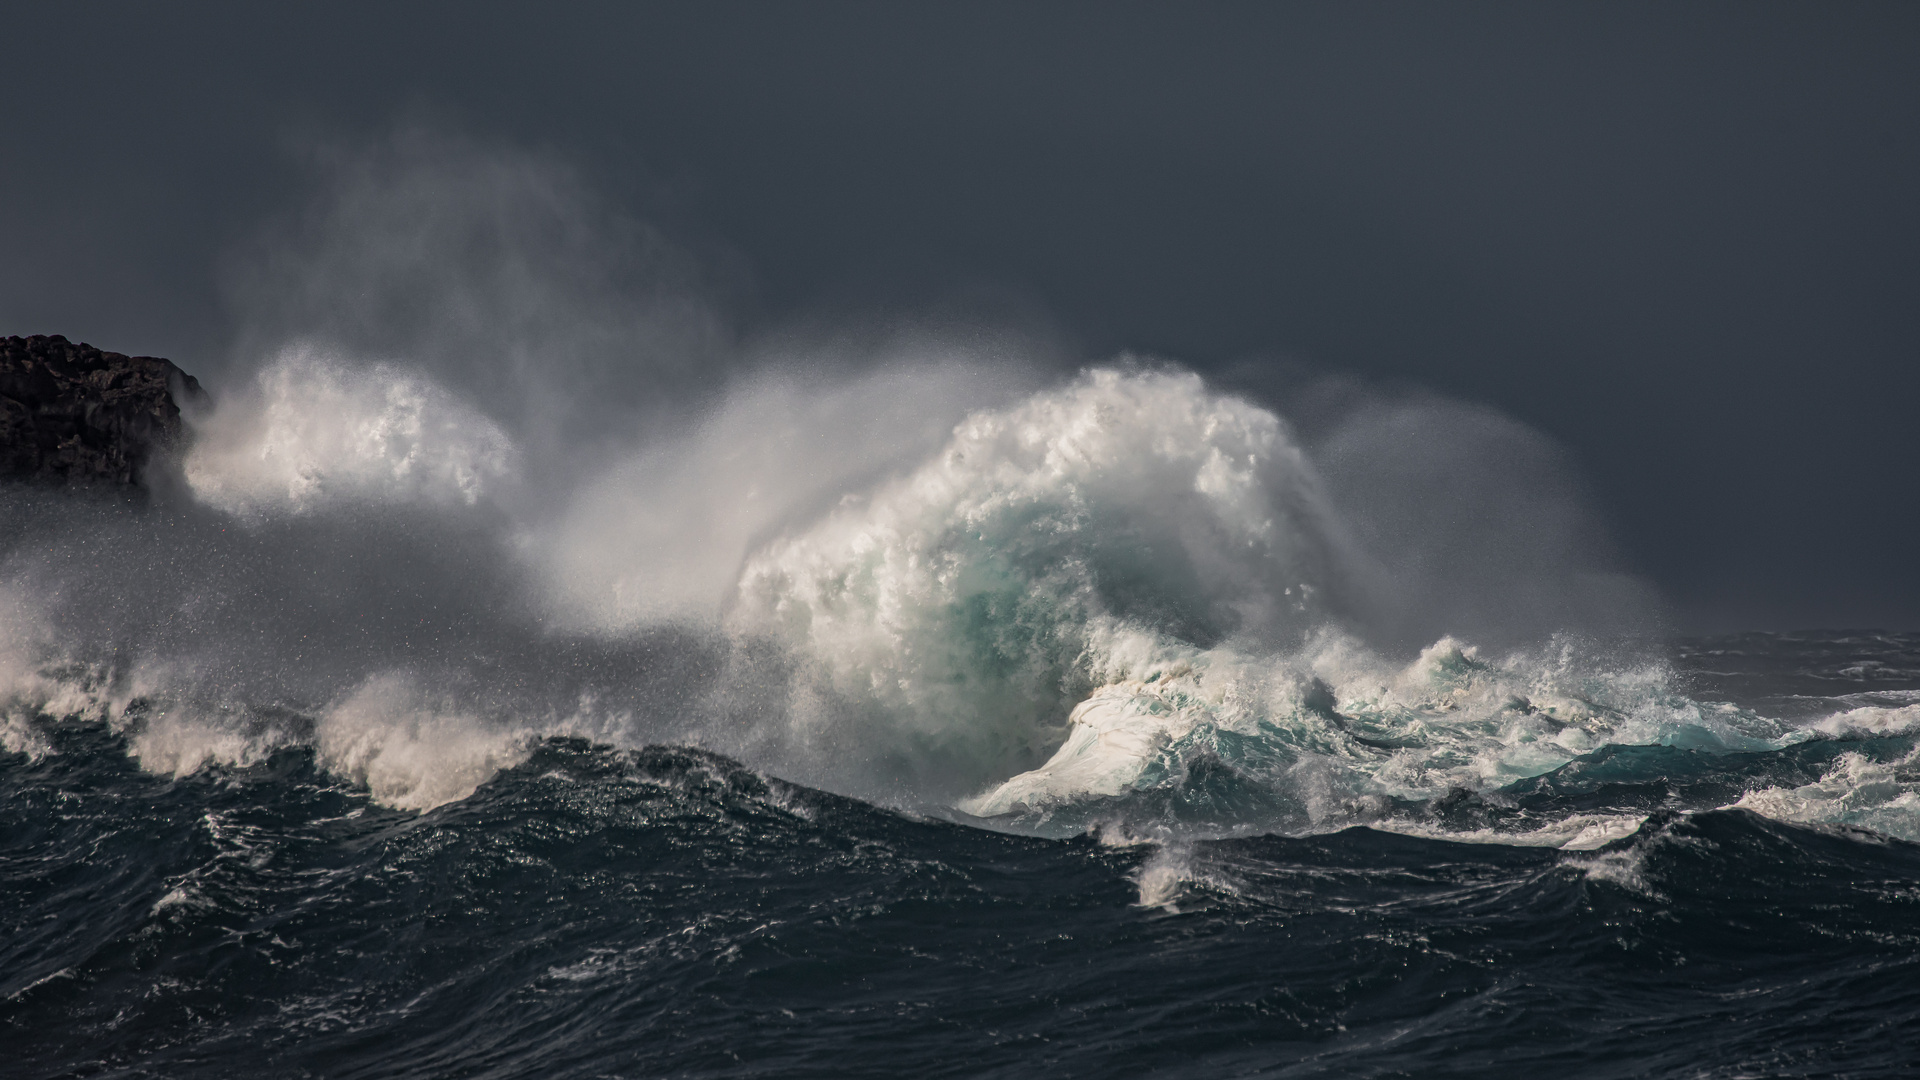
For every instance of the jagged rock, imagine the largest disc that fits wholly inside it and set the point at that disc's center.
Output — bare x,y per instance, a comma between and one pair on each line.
74,413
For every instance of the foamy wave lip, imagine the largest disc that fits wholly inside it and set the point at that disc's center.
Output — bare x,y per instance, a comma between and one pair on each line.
410,753
1338,733
408,750
179,743
1123,553
27,688
164,734
1114,737
1172,873
18,735
314,431
26,694
1856,790
1870,721
960,599
1576,832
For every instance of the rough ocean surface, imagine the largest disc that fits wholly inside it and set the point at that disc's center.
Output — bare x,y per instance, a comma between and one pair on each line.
916,723
72,412
602,912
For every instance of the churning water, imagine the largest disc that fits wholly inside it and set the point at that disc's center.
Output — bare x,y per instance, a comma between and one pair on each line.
935,720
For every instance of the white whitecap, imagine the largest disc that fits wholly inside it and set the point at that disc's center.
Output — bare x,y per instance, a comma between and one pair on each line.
314,431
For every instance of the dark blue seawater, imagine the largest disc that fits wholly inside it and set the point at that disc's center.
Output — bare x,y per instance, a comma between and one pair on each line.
594,912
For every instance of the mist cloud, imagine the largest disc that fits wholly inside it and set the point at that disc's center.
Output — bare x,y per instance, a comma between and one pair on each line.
493,270
489,441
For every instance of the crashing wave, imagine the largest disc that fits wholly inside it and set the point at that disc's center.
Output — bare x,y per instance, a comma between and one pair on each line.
1128,597
314,431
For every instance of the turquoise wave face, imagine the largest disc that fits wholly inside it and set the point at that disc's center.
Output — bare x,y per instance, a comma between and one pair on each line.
1127,600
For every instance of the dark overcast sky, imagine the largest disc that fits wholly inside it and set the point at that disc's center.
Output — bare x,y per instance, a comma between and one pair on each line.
1683,239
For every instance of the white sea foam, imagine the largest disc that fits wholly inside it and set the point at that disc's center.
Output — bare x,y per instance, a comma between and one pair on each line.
660,533
1342,731
408,750
411,749
411,752
1856,790
180,742
1870,721
1125,587
1047,549
1172,873
32,684
1122,586
314,430
1575,832
19,734
1152,563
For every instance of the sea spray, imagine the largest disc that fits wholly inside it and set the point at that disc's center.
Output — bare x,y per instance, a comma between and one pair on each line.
312,430
1124,597
965,606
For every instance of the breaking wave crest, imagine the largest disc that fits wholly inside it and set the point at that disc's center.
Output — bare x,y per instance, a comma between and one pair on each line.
1128,600
312,431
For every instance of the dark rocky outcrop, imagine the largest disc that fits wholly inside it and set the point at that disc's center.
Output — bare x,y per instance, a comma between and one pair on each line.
74,413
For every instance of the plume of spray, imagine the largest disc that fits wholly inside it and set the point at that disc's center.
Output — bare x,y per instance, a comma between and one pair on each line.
491,465
494,270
